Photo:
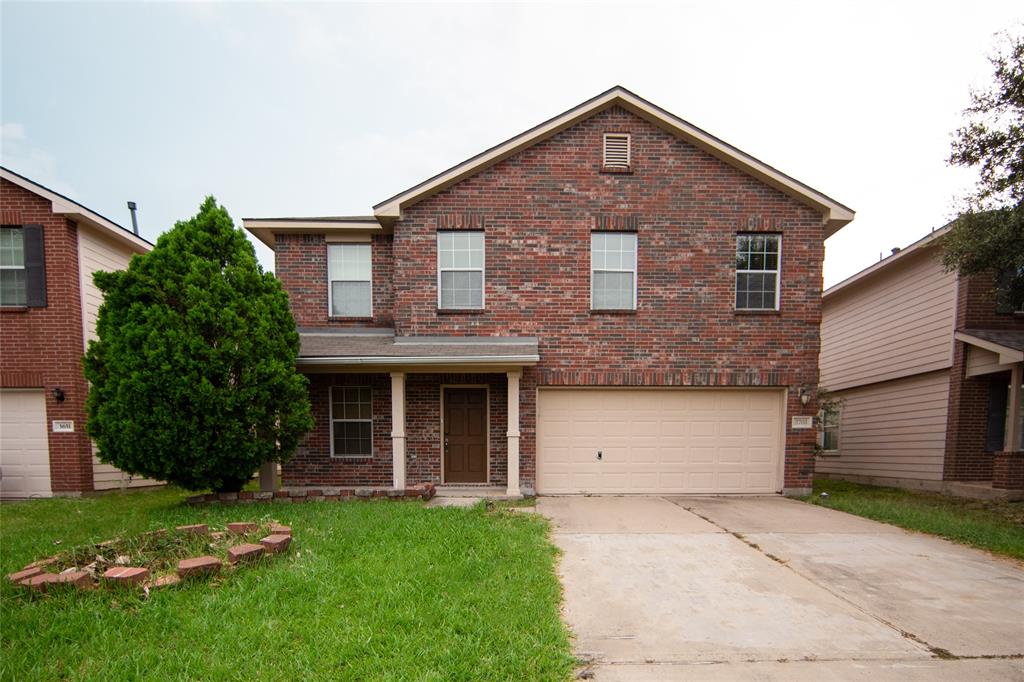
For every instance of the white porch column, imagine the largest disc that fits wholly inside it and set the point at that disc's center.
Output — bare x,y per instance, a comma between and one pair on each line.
398,429
513,434
1012,436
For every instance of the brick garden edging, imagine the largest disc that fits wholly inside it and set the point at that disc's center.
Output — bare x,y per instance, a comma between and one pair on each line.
34,577
423,491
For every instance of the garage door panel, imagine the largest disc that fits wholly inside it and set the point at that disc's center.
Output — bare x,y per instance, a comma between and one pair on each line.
731,455
658,441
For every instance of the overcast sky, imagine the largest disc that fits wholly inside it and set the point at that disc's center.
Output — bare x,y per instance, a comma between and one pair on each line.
326,109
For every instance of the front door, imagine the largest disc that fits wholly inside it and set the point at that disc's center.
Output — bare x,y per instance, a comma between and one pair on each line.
465,435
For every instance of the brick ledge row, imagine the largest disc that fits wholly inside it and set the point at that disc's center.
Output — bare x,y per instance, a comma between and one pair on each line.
423,491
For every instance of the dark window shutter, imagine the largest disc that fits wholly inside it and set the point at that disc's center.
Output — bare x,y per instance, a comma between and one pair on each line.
996,426
35,267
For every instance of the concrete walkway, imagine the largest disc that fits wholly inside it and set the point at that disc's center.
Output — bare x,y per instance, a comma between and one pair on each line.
773,589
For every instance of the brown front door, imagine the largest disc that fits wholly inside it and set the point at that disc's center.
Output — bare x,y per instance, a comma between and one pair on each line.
465,435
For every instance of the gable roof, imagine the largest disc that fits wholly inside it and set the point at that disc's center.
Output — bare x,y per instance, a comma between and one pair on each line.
836,215
60,204
1008,343
929,241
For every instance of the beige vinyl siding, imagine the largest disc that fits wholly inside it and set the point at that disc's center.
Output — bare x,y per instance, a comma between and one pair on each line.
981,361
98,252
895,429
896,324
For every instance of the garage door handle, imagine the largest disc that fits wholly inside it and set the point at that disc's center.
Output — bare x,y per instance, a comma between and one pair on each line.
599,455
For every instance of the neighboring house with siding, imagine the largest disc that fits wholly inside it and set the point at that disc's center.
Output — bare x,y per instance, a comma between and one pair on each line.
50,246
923,375
614,301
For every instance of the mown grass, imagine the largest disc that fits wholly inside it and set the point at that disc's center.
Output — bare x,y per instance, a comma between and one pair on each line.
368,591
995,526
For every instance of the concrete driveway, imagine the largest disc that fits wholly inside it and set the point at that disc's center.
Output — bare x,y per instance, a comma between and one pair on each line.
767,588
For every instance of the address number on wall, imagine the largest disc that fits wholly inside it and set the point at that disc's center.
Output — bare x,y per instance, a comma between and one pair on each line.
803,422
64,426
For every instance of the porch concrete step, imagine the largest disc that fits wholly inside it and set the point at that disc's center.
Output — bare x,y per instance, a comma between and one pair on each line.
477,491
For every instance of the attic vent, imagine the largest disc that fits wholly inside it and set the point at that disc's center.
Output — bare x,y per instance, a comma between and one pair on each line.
616,151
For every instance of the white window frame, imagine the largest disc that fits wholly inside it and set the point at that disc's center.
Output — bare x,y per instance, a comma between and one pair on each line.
330,402
635,270
629,150
330,281
482,269
823,426
777,271
18,267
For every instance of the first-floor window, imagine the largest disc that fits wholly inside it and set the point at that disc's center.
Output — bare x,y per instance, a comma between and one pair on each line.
351,421
757,271
13,290
828,428
349,271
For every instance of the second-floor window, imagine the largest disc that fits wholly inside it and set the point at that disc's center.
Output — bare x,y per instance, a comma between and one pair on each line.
757,271
350,273
460,270
613,271
13,290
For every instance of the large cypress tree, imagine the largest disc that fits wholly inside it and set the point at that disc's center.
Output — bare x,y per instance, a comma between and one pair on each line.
193,376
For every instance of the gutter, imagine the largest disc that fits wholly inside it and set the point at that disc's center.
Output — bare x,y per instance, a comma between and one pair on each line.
444,360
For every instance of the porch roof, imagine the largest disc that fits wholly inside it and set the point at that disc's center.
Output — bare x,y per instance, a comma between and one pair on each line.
1008,343
367,347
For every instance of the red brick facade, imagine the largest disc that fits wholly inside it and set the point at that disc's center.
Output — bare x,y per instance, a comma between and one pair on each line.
1008,470
967,458
41,348
537,210
301,265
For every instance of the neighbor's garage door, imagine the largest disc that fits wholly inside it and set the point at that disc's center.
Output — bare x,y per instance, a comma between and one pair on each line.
659,440
24,455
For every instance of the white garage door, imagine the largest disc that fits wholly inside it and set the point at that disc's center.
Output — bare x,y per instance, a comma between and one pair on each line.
24,453
659,441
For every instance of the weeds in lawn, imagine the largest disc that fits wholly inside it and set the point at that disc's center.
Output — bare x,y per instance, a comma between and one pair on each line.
996,526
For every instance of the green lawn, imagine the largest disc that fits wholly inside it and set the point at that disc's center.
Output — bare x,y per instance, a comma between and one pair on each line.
368,591
995,526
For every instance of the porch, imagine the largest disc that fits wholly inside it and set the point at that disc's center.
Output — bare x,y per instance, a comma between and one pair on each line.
391,412
986,459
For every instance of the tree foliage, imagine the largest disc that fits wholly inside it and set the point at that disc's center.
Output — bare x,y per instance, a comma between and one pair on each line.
989,234
193,375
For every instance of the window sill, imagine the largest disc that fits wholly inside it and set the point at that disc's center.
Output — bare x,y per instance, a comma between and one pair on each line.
612,170
828,453
757,312
13,308
461,311
613,311
343,318
353,458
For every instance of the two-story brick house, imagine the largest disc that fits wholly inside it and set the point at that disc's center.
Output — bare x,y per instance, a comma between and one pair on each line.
614,301
50,246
